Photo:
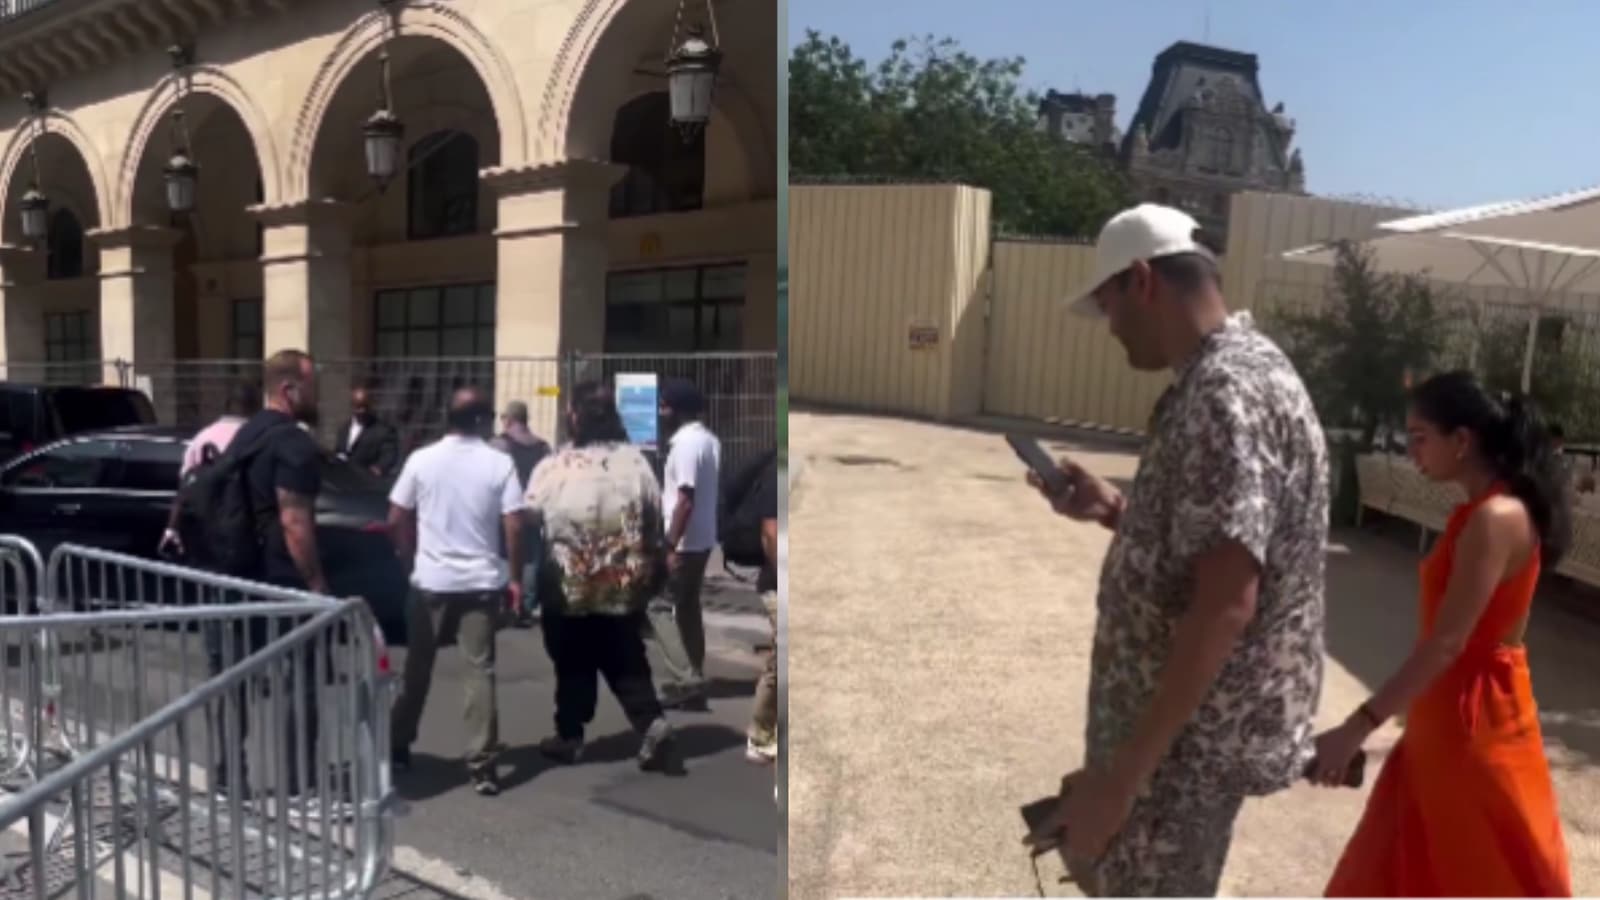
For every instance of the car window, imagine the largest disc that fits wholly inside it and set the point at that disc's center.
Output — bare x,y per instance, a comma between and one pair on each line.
81,465
148,465
341,477
87,409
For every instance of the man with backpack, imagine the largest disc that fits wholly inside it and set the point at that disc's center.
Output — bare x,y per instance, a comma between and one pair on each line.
749,529
252,511
526,450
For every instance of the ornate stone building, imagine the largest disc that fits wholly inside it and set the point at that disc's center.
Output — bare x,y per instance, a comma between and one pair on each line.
1081,118
1203,131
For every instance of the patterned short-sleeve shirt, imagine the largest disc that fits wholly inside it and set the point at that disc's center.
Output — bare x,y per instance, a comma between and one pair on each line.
600,510
1235,452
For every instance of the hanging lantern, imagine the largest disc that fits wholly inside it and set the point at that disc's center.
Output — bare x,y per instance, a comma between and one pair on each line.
35,207
691,74
182,177
383,135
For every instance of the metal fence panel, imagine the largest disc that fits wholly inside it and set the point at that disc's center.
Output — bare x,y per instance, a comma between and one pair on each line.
235,745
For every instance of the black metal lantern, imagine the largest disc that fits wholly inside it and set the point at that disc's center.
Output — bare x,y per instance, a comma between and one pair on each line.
182,177
692,68
35,208
383,134
691,75
181,173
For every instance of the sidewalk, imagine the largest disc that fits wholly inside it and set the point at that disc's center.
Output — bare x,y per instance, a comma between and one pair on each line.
941,652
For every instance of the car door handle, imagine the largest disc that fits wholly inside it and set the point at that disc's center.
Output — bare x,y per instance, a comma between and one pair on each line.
69,509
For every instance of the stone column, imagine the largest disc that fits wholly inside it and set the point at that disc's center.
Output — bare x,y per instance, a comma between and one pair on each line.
22,334
306,280
136,310
550,278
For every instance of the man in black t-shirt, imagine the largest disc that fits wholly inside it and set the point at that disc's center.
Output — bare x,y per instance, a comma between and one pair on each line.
763,732
284,476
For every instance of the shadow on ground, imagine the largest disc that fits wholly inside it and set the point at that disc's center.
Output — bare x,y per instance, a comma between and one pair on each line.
1372,624
431,776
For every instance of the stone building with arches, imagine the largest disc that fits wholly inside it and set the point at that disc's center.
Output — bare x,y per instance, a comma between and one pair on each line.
544,206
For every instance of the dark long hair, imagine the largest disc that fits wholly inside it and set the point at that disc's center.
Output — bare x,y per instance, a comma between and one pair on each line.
595,416
1515,444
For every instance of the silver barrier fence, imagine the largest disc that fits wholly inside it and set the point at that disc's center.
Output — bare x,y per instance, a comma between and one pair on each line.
192,733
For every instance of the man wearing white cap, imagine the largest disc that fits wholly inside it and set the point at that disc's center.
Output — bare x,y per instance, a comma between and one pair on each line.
1207,661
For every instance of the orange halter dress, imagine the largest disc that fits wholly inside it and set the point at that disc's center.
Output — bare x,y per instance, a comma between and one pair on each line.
1464,805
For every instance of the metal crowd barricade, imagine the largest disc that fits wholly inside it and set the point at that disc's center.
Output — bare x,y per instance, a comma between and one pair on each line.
186,733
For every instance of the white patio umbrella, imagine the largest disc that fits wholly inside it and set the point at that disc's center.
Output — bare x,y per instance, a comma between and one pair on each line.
1536,269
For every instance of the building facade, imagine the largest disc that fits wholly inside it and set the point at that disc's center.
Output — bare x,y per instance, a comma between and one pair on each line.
1081,119
1203,132
544,204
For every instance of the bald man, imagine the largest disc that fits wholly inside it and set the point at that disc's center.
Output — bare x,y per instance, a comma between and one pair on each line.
457,502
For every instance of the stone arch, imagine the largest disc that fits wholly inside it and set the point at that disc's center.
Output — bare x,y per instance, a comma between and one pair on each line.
566,74
65,127
159,102
419,18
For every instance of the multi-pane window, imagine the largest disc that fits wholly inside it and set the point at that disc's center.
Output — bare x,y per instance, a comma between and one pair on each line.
71,338
248,330
442,186
446,321
687,310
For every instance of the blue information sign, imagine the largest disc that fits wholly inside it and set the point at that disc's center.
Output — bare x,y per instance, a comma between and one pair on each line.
637,403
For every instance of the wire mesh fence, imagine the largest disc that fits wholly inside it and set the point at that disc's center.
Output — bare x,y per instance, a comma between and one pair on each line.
412,394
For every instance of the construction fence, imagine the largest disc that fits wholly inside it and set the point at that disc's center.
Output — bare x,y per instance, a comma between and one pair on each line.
906,302
413,394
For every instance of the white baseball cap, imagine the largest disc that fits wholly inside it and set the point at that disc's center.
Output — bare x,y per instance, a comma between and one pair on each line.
1146,231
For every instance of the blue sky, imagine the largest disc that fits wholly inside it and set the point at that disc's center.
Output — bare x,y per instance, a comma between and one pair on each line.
1436,102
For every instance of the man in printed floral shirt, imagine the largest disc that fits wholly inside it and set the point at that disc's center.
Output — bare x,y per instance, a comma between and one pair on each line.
1207,661
598,507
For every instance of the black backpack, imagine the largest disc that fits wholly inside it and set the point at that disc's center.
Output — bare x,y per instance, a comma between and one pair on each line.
739,514
223,533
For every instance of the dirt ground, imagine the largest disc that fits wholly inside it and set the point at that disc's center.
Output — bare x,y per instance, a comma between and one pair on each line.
939,658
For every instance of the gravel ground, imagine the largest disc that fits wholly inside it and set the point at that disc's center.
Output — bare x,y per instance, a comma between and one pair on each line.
940,661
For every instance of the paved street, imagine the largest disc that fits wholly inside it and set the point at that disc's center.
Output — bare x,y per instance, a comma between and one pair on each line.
940,661
602,829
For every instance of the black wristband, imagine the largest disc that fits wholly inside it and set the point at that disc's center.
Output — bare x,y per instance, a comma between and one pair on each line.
1365,712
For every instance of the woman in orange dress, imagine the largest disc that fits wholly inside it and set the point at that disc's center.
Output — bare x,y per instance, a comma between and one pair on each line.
1464,805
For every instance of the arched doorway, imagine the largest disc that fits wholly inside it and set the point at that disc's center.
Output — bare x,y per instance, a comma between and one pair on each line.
422,309
52,303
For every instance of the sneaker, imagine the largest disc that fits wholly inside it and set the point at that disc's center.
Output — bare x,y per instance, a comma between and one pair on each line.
485,783
400,759
760,753
566,751
659,751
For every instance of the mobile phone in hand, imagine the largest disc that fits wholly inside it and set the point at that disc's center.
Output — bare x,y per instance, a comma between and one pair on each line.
1040,463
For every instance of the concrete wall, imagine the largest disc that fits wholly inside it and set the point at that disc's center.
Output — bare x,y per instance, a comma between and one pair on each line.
871,270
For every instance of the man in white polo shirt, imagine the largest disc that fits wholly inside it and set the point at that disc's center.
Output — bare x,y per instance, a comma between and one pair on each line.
457,502
689,507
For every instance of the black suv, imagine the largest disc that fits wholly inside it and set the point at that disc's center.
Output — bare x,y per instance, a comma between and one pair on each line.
33,415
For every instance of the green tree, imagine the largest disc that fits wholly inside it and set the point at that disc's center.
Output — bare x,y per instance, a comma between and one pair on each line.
1358,348
931,111
1560,390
